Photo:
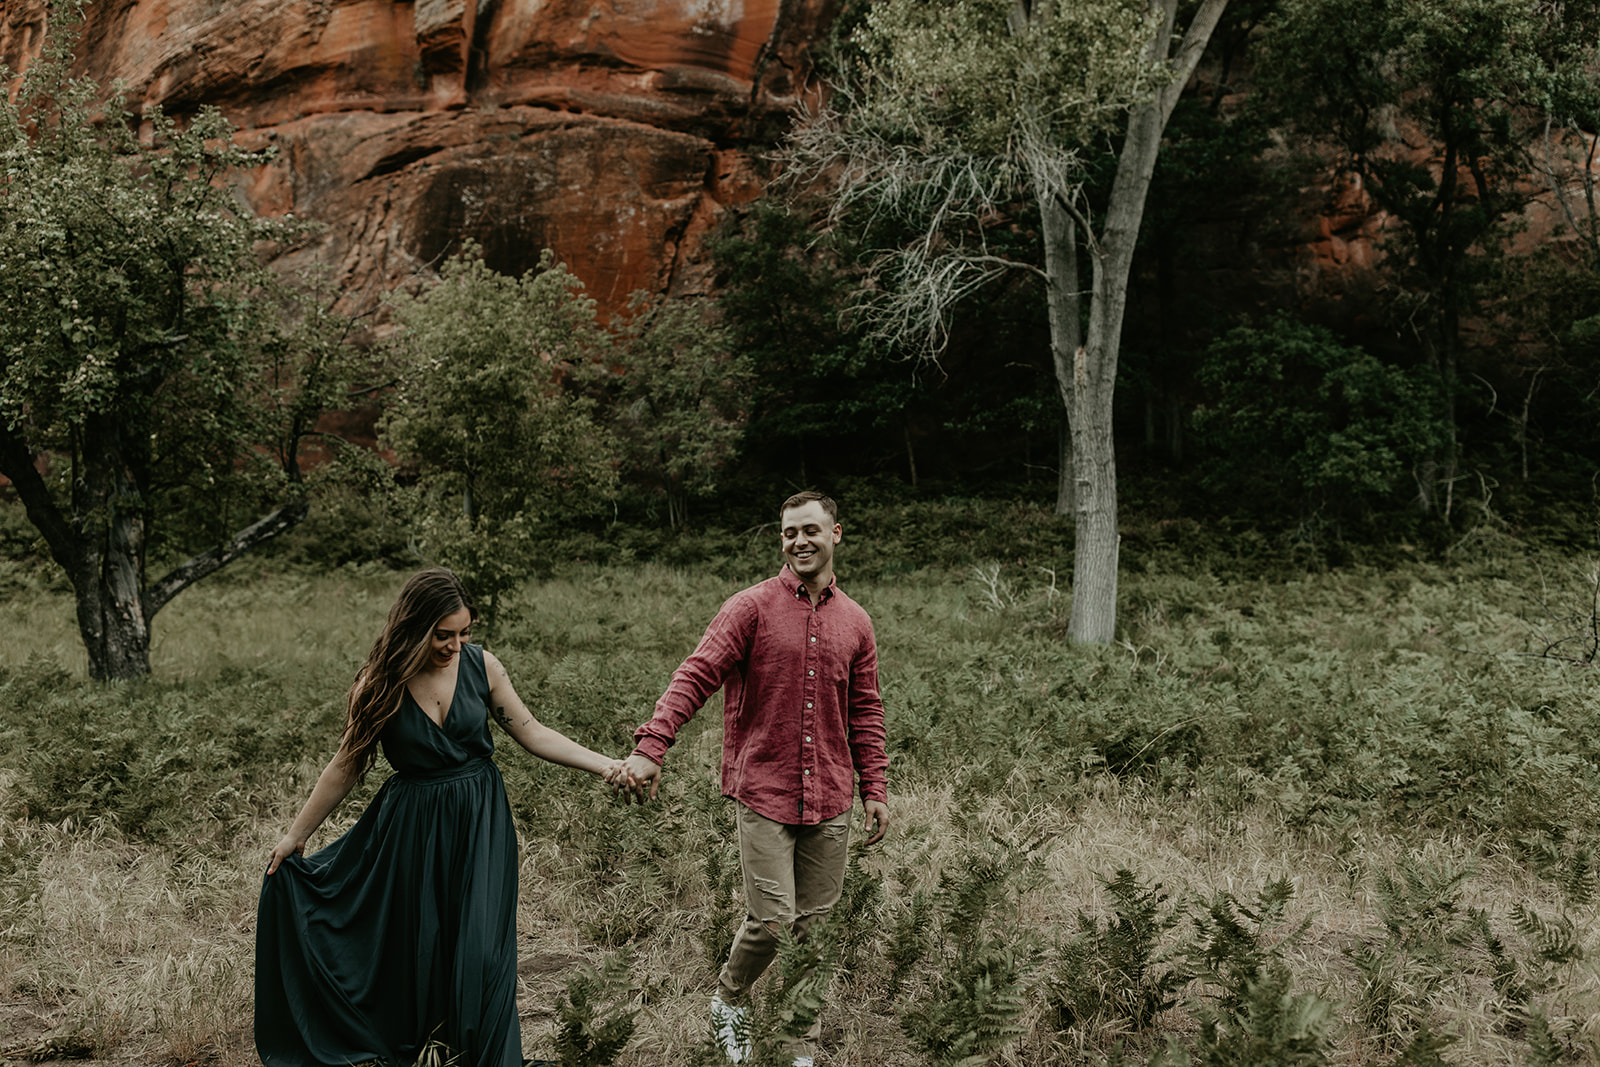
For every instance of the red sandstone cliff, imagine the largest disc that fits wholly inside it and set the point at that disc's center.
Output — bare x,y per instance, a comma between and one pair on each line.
613,131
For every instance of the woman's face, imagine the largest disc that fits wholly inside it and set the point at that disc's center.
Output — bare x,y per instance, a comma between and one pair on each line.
449,634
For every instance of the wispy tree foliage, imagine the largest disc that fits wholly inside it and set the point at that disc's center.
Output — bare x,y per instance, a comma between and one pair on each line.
951,118
157,383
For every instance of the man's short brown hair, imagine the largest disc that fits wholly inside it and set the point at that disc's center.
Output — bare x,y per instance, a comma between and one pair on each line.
800,500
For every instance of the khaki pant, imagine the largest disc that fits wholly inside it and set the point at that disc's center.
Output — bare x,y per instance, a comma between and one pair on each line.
792,874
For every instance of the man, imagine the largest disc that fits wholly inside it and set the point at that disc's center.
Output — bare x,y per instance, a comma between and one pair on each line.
801,720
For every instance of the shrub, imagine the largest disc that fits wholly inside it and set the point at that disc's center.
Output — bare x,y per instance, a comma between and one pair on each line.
1290,413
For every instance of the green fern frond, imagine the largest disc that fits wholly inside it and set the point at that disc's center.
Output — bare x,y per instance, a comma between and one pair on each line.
1578,881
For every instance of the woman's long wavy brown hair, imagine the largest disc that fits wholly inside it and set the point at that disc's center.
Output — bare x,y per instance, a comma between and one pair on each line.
398,654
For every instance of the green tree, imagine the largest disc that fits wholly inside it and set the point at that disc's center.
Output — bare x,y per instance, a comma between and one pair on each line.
682,400
1427,102
486,418
818,382
959,112
156,383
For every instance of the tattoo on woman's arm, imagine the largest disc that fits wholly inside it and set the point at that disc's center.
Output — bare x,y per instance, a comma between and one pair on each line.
505,720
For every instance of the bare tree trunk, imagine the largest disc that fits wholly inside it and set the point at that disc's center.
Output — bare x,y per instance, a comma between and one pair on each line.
1066,329
1096,541
1066,499
107,587
1522,421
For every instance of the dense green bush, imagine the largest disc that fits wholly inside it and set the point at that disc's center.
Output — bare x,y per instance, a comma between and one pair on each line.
1295,421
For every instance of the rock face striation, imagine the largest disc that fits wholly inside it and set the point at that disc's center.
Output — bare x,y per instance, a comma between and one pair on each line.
613,131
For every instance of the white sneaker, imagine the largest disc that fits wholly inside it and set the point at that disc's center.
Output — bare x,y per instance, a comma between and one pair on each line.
731,1025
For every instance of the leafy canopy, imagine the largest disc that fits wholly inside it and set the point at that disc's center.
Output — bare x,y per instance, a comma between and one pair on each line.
682,400
485,416
1291,410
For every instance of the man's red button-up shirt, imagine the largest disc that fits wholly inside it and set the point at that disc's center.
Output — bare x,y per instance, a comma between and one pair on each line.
801,713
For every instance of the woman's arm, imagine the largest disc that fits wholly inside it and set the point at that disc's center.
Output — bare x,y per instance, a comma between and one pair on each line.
333,785
533,735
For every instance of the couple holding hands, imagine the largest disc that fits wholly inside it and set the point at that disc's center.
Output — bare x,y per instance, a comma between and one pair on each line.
403,931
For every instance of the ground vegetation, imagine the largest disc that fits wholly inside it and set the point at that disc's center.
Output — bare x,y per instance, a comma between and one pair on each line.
1293,815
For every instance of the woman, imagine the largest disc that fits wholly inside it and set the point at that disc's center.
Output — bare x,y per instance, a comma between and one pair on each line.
403,931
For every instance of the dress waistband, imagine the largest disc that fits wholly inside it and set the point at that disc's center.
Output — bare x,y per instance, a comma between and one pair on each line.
445,774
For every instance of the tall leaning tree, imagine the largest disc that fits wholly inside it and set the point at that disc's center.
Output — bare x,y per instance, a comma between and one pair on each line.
952,116
153,405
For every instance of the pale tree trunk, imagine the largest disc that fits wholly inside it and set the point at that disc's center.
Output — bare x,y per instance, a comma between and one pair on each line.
1094,370
1060,231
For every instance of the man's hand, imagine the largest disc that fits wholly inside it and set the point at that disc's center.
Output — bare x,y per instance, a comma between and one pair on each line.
877,816
641,771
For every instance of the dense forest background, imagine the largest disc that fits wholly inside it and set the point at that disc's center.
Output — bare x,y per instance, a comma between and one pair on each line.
1360,322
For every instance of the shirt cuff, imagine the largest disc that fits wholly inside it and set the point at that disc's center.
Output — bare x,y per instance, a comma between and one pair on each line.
875,792
652,749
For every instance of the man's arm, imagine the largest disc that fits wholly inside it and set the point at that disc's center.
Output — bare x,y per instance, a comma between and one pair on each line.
868,738
724,646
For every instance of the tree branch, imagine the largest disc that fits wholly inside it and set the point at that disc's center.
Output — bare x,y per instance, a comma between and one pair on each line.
1189,53
16,463
192,570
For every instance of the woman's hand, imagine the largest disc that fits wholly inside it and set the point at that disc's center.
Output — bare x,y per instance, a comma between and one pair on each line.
615,773
289,846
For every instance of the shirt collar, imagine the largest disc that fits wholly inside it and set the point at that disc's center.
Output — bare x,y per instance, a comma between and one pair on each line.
797,589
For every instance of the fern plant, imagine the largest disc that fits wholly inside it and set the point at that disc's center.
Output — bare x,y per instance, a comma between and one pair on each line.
1234,942
596,1014
855,919
1578,879
1115,973
794,995
723,875
1273,1026
1425,932
909,941
1426,1049
973,1010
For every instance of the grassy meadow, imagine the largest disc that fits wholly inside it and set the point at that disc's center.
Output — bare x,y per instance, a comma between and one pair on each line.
1339,816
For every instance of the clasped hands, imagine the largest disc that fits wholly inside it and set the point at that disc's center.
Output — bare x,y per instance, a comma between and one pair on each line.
636,778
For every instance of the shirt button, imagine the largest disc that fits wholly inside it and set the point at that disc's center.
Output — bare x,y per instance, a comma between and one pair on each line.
810,674
813,640
808,703
808,770
808,739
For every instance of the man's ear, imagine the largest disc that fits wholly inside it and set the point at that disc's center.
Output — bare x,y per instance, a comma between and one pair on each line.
838,533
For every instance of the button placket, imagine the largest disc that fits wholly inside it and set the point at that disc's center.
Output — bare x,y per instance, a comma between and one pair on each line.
808,700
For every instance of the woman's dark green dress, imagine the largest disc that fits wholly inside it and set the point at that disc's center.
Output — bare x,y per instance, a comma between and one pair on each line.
403,930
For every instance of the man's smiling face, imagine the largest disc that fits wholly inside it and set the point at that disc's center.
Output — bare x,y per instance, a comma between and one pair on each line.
808,539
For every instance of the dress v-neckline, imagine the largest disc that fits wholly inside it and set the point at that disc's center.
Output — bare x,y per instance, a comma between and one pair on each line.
455,691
